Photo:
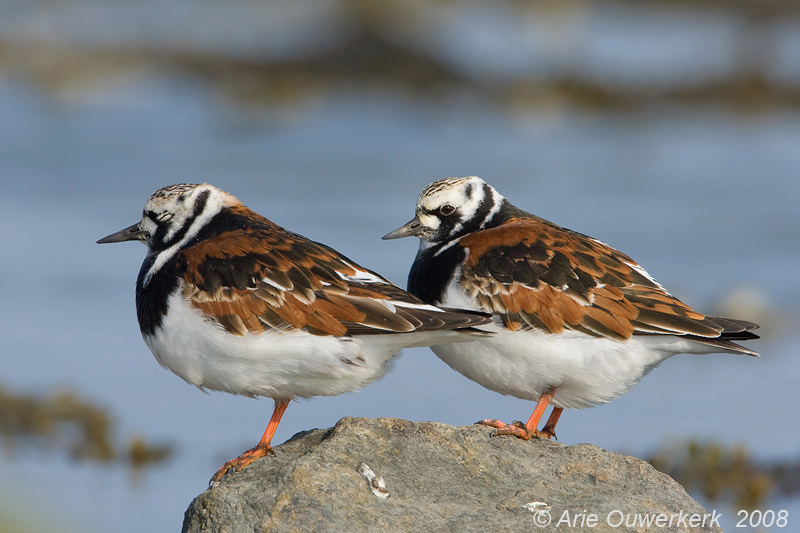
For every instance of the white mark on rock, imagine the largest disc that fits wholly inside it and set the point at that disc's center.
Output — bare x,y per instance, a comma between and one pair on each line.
541,513
536,507
376,483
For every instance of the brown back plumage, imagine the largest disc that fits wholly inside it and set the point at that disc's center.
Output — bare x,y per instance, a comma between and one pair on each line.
252,276
535,274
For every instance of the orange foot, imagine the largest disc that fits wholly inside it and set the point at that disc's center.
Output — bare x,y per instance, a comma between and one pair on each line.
549,431
242,461
518,429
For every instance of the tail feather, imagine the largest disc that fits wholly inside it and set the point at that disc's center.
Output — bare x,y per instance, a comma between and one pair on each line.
732,330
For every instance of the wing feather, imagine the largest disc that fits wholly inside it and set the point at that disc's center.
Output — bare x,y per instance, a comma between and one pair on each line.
254,276
535,274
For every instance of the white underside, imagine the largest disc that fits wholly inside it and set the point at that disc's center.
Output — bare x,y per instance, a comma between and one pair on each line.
287,364
584,370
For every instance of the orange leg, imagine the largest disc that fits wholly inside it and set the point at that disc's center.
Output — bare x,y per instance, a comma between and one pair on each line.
528,430
261,449
549,429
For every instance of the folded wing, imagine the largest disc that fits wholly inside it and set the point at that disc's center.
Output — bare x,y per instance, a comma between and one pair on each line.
261,277
534,274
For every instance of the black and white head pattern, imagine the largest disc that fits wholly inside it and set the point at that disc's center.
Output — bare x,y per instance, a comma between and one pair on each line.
450,208
174,215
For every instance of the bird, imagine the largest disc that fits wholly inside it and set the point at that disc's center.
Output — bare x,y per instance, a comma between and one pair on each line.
230,301
577,322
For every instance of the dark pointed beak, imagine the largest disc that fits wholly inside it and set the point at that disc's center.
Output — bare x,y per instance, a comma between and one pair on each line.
412,229
132,233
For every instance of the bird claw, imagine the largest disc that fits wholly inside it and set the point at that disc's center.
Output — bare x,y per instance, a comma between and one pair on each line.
548,432
518,429
520,432
492,423
238,463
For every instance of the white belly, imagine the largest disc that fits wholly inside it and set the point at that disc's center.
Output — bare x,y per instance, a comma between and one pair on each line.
583,370
273,364
285,364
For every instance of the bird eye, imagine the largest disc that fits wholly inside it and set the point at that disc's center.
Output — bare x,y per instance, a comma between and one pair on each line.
447,210
163,217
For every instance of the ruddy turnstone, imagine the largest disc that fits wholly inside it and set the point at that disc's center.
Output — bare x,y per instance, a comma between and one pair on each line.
230,301
578,323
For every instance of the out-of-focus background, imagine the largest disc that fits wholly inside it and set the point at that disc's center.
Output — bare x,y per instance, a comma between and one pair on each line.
669,129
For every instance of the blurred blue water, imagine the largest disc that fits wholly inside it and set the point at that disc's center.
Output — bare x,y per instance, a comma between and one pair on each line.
706,201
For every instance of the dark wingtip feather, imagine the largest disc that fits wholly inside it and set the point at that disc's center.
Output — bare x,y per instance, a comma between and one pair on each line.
734,325
467,319
732,330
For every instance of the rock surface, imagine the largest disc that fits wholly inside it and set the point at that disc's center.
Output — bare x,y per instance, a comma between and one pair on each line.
441,478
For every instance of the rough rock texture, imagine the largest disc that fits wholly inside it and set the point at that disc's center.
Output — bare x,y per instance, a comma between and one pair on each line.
441,478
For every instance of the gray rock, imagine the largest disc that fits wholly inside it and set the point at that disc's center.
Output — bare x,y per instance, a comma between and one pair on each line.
441,478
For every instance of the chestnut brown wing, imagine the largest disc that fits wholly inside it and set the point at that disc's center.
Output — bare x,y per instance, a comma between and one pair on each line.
261,277
534,274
